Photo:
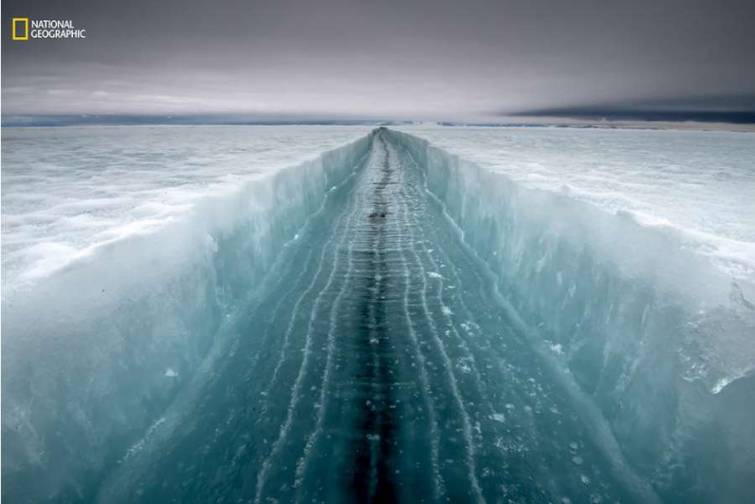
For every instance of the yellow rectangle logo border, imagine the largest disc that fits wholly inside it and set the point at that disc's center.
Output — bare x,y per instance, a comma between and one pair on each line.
17,20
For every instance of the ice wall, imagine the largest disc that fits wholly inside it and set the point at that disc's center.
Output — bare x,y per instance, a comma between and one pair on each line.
93,355
661,340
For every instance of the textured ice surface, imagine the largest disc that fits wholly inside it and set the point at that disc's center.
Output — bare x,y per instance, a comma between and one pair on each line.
686,190
700,184
94,351
660,336
178,301
67,191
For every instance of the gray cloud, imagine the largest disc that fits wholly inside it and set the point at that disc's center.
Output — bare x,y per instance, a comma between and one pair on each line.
403,59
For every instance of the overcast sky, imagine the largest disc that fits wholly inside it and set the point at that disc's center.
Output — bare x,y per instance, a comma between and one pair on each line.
390,58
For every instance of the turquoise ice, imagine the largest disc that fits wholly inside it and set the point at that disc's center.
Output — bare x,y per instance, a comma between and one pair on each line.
384,322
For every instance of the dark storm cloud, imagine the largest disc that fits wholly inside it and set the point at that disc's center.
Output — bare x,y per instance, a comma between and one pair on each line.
393,58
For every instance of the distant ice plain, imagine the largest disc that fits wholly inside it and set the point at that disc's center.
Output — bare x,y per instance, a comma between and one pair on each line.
68,190
698,183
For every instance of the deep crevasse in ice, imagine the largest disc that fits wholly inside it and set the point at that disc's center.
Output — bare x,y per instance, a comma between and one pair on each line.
658,338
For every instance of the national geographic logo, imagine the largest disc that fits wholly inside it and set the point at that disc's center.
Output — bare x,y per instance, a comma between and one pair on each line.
23,28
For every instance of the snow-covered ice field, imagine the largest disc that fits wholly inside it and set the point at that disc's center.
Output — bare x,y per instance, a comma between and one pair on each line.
700,184
67,191
305,312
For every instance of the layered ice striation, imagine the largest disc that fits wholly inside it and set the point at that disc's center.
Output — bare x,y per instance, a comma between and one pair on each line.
227,316
102,329
660,337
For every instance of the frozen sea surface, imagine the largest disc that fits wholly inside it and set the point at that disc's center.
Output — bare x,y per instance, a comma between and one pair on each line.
199,314
67,191
700,183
